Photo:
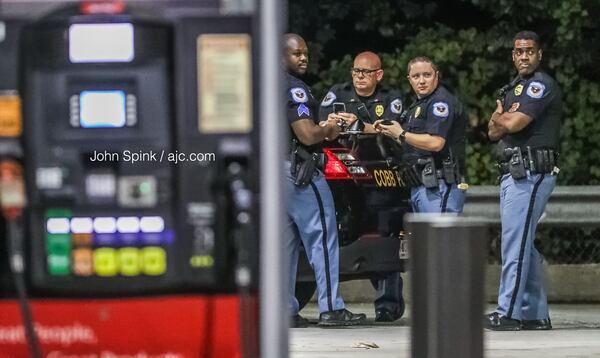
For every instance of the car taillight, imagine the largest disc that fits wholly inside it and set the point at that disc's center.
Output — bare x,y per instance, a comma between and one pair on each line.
343,165
335,168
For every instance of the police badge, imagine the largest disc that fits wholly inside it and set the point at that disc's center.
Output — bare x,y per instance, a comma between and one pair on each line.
379,110
518,90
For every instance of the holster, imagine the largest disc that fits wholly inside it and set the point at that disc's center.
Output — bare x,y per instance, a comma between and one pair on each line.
305,164
426,166
516,164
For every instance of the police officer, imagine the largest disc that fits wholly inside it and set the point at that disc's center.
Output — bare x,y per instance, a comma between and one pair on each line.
527,124
364,90
432,131
311,210
379,103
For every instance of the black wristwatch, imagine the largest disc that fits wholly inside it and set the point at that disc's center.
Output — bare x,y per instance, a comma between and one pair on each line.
402,136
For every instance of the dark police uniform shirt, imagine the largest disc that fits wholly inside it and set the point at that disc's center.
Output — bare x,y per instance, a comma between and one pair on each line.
382,104
440,114
300,104
539,97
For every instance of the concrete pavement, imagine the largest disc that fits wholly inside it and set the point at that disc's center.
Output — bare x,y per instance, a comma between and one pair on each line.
576,333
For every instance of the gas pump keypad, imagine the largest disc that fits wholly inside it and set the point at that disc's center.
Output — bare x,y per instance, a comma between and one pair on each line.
127,246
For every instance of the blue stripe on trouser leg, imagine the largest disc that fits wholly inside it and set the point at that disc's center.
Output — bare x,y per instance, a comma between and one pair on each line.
311,212
444,198
522,202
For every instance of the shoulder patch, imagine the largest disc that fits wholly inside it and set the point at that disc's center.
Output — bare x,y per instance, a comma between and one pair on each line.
299,95
396,106
536,89
328,100
518,90
440,109
303,110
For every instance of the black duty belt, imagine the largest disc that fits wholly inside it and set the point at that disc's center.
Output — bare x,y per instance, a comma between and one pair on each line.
537,161
425,172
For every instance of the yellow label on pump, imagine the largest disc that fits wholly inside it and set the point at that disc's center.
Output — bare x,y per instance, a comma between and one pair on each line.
10,115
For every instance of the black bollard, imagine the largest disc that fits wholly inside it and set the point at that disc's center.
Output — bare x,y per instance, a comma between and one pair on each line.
447,255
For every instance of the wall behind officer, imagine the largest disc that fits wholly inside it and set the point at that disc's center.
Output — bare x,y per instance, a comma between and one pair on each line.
380,103
527,120
311,211
432,133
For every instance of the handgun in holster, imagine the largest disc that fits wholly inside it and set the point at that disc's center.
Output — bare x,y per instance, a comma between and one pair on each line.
516,165
304,164
305,172
428,172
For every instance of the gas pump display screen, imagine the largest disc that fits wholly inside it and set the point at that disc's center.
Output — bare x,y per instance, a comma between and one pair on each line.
102,109
101,43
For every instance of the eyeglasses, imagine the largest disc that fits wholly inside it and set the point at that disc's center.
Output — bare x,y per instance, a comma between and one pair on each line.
363,71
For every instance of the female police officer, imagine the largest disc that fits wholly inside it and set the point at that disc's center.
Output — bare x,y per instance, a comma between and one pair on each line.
433,137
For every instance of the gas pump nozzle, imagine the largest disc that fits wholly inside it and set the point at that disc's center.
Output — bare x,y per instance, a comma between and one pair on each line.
12,202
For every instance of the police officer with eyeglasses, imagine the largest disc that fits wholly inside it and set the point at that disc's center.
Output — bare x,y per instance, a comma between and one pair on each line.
432,131
311,210
526,123
366,100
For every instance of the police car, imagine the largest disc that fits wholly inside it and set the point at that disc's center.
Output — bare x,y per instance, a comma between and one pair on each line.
370,200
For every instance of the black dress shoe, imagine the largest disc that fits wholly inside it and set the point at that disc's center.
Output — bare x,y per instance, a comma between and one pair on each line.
298,321
536,324
497,322
385,315
340,318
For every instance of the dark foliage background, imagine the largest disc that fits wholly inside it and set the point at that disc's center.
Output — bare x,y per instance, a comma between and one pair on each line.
471,42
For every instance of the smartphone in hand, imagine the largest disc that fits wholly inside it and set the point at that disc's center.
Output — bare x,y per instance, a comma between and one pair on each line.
385,122
339,107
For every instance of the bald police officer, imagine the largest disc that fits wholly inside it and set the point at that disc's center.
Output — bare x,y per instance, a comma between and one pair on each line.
311,211
432,131
378,103
527,124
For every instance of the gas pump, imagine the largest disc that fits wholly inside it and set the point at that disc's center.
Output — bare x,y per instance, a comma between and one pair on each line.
139,164
106,144
98,123
216,117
